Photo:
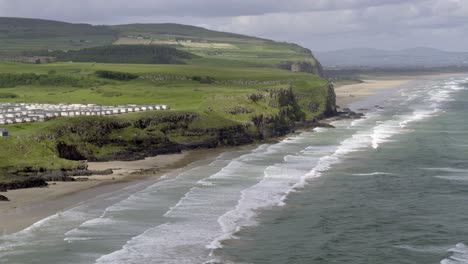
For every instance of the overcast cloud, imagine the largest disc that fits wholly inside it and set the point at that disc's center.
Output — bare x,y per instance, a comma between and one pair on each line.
316,24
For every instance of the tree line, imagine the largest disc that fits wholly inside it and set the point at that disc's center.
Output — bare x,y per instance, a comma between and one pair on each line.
137,54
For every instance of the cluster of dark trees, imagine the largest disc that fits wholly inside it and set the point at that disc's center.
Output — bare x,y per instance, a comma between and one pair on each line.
120,76
204,79
8,80
138,54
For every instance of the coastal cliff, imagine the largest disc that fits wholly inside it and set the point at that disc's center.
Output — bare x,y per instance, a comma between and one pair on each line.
156,133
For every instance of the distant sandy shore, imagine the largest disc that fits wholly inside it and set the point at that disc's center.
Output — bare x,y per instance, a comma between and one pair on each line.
27,206
348,94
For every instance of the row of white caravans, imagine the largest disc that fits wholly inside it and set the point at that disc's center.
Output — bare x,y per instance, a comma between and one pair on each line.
26,113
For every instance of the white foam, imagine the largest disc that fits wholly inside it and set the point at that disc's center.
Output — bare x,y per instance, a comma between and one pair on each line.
373,174
192,221
268,192
450,170
424,249
143,200
320,129
281,180
459,255
453,178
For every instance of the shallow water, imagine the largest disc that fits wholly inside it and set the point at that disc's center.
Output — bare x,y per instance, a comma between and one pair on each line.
391,188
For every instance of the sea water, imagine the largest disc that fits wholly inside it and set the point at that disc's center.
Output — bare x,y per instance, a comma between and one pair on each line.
389,188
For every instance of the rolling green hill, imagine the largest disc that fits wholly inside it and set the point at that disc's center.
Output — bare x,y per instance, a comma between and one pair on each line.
39,28
215,46
18,35
171,29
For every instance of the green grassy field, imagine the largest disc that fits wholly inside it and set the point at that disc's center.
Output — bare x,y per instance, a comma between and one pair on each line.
171,92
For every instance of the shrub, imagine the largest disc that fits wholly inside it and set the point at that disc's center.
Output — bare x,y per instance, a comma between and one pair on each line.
8,95
121,76
206,79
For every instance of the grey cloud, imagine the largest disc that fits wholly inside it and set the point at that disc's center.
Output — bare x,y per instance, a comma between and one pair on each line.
317,24
204,8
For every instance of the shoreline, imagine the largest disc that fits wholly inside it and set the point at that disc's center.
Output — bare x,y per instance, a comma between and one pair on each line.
351,93
348,94
27,206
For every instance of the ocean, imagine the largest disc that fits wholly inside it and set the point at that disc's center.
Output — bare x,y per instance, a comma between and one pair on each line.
389,188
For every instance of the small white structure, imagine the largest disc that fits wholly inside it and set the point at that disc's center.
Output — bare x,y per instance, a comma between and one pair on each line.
11,113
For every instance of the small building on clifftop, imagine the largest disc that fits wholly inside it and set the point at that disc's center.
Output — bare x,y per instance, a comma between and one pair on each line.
3,132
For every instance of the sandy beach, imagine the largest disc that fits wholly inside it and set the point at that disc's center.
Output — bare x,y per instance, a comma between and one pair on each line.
27,206
348,94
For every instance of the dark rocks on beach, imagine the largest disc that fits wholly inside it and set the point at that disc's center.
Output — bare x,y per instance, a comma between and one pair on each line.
82,179
349,114
4,198
29,182
66,175
325,125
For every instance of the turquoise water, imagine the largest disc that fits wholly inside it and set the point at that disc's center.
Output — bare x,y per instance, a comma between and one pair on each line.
391,188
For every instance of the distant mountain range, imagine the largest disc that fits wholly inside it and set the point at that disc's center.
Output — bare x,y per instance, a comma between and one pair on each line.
365,57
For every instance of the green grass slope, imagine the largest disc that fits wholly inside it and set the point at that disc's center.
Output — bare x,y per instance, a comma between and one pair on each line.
214,46
20,34
171,29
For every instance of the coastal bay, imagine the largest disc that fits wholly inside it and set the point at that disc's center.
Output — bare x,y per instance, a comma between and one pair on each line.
31,205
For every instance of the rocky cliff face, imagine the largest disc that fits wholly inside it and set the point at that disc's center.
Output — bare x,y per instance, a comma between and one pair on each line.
302,66
171,132
151,135
330,106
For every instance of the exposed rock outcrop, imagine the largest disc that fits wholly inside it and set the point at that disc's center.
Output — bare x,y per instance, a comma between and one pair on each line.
27,182
330,106
303,66
349,114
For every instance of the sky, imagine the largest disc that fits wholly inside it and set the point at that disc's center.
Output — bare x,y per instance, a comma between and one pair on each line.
320,25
